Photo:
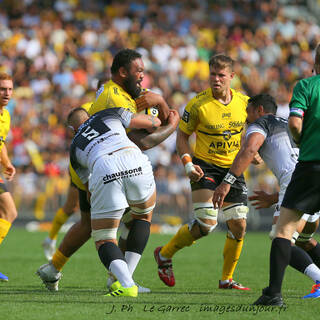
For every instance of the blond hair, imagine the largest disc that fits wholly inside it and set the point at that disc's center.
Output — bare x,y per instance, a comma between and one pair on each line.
221,61
5,76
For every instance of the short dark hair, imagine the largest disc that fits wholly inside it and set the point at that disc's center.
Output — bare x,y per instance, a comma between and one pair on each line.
75,113
266,100
123,59
221,61
102,80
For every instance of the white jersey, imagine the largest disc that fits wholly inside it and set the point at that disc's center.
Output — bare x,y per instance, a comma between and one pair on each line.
278,150
102,134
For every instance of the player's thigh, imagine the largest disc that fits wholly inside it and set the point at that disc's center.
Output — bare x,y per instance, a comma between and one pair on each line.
8,209
105,223
287,223
202,195
106,197
140,188
72,201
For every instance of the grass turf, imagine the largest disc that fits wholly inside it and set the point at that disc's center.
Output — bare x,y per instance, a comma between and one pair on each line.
197,271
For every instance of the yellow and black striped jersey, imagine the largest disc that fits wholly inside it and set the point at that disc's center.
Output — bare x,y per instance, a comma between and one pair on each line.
111,95
218,127
4,126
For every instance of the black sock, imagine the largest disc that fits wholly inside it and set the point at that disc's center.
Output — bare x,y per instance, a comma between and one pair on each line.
109,252
299,259
279,259
314,253
138,236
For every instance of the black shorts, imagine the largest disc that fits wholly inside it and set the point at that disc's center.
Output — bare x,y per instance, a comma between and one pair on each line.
84,204
213,175
303,191
3,187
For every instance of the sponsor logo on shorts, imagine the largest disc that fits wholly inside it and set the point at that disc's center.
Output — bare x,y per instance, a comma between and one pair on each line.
244,190
122,174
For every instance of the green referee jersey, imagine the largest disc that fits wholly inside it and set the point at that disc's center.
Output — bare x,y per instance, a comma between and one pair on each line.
305,103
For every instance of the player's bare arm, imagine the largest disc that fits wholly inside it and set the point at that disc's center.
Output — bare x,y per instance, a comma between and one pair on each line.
257,159
261,199
295,126
193,171
151,99
240,164
145,140
7,168
144,121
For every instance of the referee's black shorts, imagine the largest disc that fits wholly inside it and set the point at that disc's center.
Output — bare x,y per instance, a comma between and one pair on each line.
303,191
213,175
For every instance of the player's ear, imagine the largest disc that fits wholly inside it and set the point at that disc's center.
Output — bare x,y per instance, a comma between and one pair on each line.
123,72
261,109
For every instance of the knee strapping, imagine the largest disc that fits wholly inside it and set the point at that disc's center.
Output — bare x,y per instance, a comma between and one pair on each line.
205,210
272,232
104,234
304,237
235,211
136,210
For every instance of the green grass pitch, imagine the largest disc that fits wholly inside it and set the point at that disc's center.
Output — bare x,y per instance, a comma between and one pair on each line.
195,296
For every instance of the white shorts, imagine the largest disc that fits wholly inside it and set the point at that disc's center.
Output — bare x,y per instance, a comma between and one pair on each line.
306,217
120,179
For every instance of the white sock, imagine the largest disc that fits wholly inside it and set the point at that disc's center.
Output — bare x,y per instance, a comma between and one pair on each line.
120,269
51,241
132,259
162,258
313,272
224,281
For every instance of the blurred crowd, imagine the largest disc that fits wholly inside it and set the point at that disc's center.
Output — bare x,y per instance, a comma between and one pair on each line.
57,50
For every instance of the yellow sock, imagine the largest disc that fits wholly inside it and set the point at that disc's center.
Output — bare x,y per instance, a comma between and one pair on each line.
59,219
180,240
59,260
231,253
4,229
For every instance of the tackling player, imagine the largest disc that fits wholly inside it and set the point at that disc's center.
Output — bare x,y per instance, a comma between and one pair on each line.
109,163
127,74
71,204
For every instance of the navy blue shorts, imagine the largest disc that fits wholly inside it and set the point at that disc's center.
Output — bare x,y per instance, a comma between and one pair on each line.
213,175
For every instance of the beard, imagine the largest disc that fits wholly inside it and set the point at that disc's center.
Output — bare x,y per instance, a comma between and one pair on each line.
131,87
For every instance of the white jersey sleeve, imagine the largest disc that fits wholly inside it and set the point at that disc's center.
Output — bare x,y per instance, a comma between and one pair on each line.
102,134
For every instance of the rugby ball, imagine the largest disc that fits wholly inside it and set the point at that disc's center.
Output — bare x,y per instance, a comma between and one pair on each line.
153,111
